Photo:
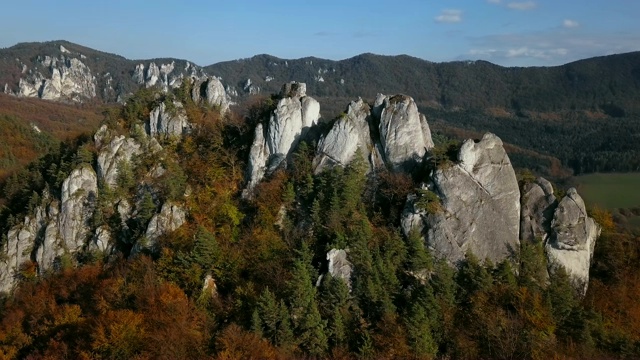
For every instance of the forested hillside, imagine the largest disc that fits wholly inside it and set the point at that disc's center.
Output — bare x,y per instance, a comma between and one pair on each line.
249,277
610,84
30,128
585,114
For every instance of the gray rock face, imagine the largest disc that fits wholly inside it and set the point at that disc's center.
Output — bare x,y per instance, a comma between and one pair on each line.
120,149
348,134
481,205
404,133
258,159
79,195
20,243
101,240
339,266
164,76
163,121
55,227
68,79
273,144
211,90
572,239
170,218
538,204
251,88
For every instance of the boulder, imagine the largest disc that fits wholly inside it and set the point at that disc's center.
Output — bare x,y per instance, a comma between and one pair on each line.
339,266
572,239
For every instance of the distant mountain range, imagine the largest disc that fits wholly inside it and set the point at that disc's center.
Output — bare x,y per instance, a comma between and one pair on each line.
608,84
554,117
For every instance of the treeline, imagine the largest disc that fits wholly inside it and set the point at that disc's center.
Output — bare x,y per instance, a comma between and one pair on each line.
610,84
249,278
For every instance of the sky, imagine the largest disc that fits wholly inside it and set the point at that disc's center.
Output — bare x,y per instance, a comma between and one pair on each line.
505,32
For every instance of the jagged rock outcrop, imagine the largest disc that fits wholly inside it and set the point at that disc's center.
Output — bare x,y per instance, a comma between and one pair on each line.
211,90
404,133
20,242
119,150
538,204
54,228
165,76
339,265
168,122
480,205
293,116
348,134
250,88
66,78
170,218
572,239
79,195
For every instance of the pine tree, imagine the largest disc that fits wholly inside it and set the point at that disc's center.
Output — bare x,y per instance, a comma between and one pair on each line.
269,315
419,331
418,257
533,266
308,326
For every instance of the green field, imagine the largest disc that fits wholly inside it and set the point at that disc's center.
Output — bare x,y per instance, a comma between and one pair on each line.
610,191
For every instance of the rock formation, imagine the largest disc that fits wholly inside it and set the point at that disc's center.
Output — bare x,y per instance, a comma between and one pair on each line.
211,90
480,210
170,217
538,205
572,239
293,116
63,227
168,122
348,134
55,227
404,133
339,266
65,78
392,133
79,195
118,152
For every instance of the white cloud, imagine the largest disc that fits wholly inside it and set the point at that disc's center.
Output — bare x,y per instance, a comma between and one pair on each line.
568,23
524,5
449,16
551,47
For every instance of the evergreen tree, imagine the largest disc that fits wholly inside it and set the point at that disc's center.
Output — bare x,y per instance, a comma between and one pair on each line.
533,266
308,326
419,333
472,277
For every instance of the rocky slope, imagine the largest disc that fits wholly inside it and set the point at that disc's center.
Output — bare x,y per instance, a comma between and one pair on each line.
472,204
468,204
63,71
60,228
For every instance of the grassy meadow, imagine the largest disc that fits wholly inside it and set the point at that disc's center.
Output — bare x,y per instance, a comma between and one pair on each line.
611,190
617,192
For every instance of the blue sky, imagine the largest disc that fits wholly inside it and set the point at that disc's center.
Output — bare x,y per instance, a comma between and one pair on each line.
506,32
